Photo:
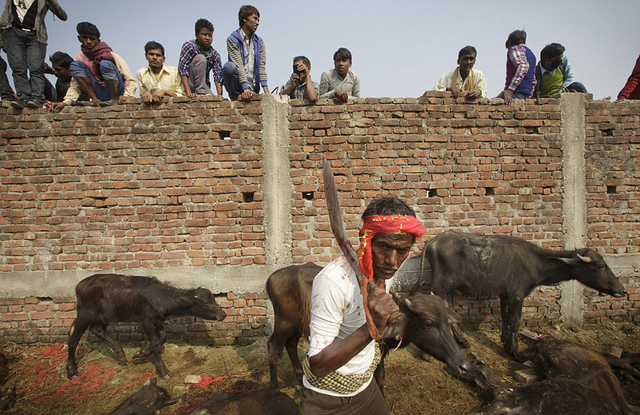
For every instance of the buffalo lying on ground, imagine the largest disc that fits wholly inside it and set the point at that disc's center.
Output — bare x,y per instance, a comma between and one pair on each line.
575,380
511,268
110,298
289,289
259,402
147,401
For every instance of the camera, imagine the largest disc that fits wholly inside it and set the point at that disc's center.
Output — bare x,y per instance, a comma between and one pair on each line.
295,69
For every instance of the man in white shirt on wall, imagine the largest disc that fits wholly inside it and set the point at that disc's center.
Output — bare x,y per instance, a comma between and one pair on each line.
464,80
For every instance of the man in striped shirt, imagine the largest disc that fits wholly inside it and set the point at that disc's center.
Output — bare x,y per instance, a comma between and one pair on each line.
521,63
197,58
246,71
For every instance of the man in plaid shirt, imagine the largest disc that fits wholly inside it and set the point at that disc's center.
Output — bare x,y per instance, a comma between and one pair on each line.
197,58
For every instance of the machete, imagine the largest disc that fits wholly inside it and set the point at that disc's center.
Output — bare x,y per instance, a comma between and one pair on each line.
397,321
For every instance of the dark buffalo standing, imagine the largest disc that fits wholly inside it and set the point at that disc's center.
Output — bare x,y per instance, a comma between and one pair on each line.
147,401
110,298
259,402
511,268
575,380
290,292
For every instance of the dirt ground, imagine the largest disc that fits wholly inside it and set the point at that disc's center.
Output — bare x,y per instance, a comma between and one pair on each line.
414,386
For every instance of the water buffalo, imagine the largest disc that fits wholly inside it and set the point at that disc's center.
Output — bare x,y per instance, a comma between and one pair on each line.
147,401
259,402
110,298
290,292
511,268
552,396
575,380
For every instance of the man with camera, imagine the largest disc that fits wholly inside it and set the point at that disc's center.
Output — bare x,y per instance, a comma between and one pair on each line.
300,85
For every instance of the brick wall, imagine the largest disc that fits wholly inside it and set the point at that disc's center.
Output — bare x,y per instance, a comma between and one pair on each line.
132,188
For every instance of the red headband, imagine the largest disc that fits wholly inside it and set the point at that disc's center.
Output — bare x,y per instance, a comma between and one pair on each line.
374,224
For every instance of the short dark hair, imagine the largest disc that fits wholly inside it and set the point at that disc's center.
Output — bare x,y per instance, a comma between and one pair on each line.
152,44
246,11
467,50
203,24
517,37
389,205
342,53
304,60
551,51
86,28
61,59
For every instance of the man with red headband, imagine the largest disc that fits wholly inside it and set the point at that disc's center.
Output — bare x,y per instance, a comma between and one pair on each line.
342,355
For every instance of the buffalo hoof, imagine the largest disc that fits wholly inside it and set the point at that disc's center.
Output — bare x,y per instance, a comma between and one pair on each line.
166,375
72,371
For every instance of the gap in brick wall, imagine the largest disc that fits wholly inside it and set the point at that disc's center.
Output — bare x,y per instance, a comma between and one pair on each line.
44,298
489,191
611,189
247,197
225,135
431,192
307,195
531,130
607,132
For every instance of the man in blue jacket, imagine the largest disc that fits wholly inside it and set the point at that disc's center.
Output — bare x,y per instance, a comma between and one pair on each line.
246,71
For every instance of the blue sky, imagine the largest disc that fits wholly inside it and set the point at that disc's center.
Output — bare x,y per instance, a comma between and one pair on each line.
399,48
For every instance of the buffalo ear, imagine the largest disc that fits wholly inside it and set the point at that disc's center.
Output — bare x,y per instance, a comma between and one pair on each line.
586,259
454,318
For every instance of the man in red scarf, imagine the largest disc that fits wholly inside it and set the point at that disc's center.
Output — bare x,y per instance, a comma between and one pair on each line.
342,355
98,71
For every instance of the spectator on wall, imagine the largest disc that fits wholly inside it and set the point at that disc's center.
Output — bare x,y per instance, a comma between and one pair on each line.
246,70
300,85
521,62
98,71
6,93
157,79
340,83
464,80
25,41
197,59
631,89
553,73
60,68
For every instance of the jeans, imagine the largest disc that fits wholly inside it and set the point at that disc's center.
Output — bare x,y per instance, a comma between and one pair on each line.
198,76
6,93
108,70
24,52
231,81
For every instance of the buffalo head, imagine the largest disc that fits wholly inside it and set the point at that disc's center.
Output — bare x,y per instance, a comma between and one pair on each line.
590,269
204,306
427,327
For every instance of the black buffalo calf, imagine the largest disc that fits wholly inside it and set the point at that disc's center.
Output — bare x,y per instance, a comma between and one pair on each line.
111,298
147,401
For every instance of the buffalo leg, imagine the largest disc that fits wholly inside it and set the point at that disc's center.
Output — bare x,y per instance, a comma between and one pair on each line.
76,331
101,333
292,351
458,335
274,347
155,345
146,352
511,311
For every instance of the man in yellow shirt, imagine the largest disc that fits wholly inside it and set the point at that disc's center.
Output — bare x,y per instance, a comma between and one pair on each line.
158,80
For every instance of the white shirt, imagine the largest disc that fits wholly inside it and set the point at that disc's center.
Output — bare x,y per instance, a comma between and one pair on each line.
249,57
446,80
336,312
22,11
